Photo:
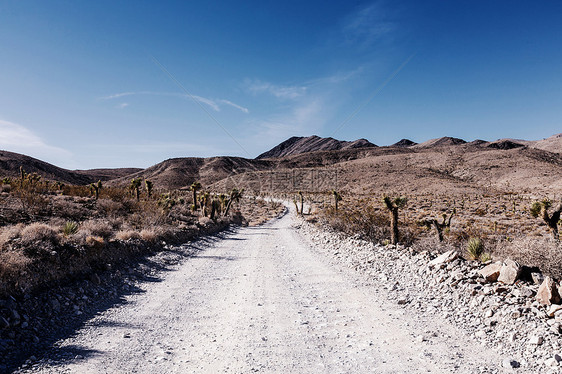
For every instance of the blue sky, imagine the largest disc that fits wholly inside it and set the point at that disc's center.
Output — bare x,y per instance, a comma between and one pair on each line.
132,83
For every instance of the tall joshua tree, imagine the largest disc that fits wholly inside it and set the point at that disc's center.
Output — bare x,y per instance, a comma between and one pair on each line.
195,186
393,205
135,186
235,195
302,202
540,208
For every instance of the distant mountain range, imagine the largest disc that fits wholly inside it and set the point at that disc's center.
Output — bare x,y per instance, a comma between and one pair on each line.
443,162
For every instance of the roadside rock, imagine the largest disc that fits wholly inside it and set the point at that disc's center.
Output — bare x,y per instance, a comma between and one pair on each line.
509,272
444,258
491,272
548,292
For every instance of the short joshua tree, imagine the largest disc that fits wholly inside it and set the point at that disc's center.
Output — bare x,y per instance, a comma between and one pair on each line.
96,188
135,186
440,226
540,208
337,198
149,187
393,205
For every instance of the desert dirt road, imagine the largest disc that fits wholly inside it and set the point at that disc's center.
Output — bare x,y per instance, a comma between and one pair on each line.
262,300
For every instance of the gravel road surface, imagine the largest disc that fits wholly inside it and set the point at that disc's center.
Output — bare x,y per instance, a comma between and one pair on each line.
262,300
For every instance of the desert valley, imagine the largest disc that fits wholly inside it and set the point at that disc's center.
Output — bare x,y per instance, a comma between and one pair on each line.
470,218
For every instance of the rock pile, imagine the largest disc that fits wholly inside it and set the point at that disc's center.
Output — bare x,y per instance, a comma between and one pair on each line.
520,319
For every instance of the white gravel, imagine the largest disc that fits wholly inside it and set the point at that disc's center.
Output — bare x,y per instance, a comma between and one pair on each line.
266,300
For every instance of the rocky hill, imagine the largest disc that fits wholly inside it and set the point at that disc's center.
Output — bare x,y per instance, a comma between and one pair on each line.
297,145
11,162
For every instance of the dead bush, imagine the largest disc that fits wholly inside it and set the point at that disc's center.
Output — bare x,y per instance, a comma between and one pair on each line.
38,232
96,242
149,235
544,253
10,233
97,228
127,234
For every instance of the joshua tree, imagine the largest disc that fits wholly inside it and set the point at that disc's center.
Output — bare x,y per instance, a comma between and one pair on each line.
540,208
302,202
195,186
149,186
440,226
393,205
96,188
215,208
235,195
337,198
204,201
135,186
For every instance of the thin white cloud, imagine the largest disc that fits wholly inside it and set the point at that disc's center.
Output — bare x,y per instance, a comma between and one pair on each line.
368,24
227,102
122,105
281,92
213,104
17,138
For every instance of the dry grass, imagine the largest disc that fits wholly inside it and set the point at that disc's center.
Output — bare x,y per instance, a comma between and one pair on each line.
544,253
127,235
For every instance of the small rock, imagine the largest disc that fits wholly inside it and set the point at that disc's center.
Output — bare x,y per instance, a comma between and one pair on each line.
548,293
491,272
510,363
444,258
536,340
551,362
553,309
509,272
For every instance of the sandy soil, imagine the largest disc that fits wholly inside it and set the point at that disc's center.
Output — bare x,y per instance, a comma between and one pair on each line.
263,301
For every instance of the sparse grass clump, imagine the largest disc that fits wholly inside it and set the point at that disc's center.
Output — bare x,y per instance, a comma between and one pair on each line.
70,228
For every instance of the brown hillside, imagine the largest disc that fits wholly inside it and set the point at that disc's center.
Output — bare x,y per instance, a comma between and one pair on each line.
299,145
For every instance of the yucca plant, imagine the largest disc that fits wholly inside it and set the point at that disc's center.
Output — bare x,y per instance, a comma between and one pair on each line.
540,208
393,205
69,228
475,248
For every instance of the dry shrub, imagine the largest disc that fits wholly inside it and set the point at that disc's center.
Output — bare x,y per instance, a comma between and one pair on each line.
10,233
109,207
66,207
97,228
95,241
544,253
149,235
127,234
12,264
38,232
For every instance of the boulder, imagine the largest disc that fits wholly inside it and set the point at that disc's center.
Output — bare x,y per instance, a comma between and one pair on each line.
491,272
509,272
548,292
444,258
